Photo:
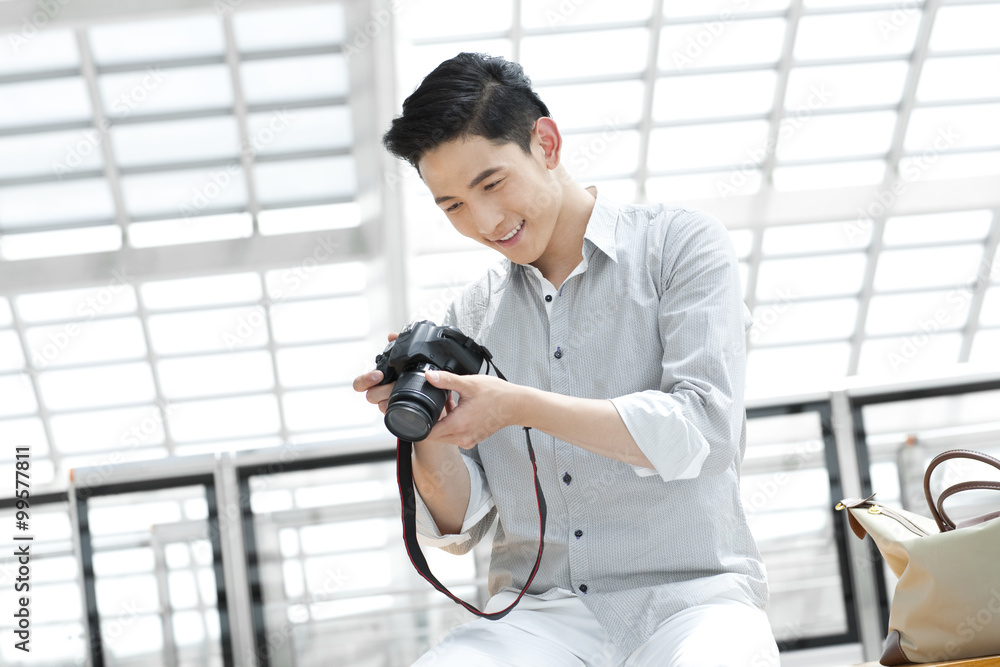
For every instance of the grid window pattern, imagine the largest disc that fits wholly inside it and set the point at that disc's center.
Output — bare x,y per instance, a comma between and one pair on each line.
55,591
335,576
206,133
153,578
786,488
851,148
751,103
130,372
137,134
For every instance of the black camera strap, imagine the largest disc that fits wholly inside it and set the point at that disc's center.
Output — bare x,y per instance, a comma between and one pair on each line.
404,476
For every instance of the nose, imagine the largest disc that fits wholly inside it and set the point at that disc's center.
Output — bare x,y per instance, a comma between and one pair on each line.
487,219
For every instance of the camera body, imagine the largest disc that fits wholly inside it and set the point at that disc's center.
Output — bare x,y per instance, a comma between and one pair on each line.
415,405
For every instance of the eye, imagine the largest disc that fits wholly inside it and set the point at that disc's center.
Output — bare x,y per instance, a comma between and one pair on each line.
493,184
453,207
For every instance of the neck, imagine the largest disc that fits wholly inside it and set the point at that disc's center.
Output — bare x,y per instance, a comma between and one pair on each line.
565,249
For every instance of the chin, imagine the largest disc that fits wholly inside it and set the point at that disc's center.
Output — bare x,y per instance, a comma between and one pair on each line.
522,258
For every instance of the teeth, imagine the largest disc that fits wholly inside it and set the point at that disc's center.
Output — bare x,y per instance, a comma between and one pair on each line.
512,232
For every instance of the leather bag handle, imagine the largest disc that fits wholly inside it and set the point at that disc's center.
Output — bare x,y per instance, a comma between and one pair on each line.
964,486
942,519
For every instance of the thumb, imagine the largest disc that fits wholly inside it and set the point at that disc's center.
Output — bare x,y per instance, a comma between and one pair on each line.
444,379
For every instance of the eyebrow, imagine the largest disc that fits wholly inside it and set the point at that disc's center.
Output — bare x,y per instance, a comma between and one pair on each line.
483,175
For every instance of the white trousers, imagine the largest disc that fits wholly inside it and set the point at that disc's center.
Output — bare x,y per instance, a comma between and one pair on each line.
563,633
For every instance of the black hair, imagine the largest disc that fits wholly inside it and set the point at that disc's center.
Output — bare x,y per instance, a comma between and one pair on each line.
472,94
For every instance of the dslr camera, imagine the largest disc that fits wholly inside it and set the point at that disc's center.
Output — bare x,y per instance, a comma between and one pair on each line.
415,404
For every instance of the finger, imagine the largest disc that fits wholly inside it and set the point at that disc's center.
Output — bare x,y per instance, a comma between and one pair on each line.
383,405
367,381
380,393
440,433
447,412
393,336
451,429
449,406
446,380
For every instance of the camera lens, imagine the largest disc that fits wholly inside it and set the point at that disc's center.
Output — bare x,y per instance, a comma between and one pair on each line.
414,405
408,422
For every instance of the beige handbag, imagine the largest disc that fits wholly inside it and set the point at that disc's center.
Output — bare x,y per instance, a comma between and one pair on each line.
947,602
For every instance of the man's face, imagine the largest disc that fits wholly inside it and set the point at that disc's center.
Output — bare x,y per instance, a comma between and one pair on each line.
495,194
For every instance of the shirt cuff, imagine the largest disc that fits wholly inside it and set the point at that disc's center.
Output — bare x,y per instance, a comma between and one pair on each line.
480,503
672,444
689,473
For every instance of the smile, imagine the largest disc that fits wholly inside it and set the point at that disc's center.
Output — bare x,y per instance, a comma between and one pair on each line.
512,233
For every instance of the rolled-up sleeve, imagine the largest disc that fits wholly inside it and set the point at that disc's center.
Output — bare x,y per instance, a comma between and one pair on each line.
695,422
477,516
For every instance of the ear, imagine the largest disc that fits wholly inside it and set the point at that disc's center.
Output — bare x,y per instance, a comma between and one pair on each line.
546,135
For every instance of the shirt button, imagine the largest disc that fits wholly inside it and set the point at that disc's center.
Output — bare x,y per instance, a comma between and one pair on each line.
558,354
548,297
583,588
578,533
567,478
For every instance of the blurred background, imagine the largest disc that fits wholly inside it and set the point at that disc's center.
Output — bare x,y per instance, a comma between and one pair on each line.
202,243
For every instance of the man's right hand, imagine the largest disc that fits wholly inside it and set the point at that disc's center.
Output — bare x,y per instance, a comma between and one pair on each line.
379,395
438,471
368,383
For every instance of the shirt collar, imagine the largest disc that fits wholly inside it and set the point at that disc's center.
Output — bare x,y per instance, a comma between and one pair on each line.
600,232
601,226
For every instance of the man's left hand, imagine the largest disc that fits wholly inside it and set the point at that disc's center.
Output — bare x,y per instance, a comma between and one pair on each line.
487,404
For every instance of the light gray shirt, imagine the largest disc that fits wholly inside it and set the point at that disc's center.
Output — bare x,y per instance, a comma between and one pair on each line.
652,319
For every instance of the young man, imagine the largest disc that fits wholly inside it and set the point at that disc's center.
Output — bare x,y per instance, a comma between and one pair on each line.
622,331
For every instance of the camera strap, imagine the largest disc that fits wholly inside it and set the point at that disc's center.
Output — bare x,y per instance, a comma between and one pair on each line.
404,476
